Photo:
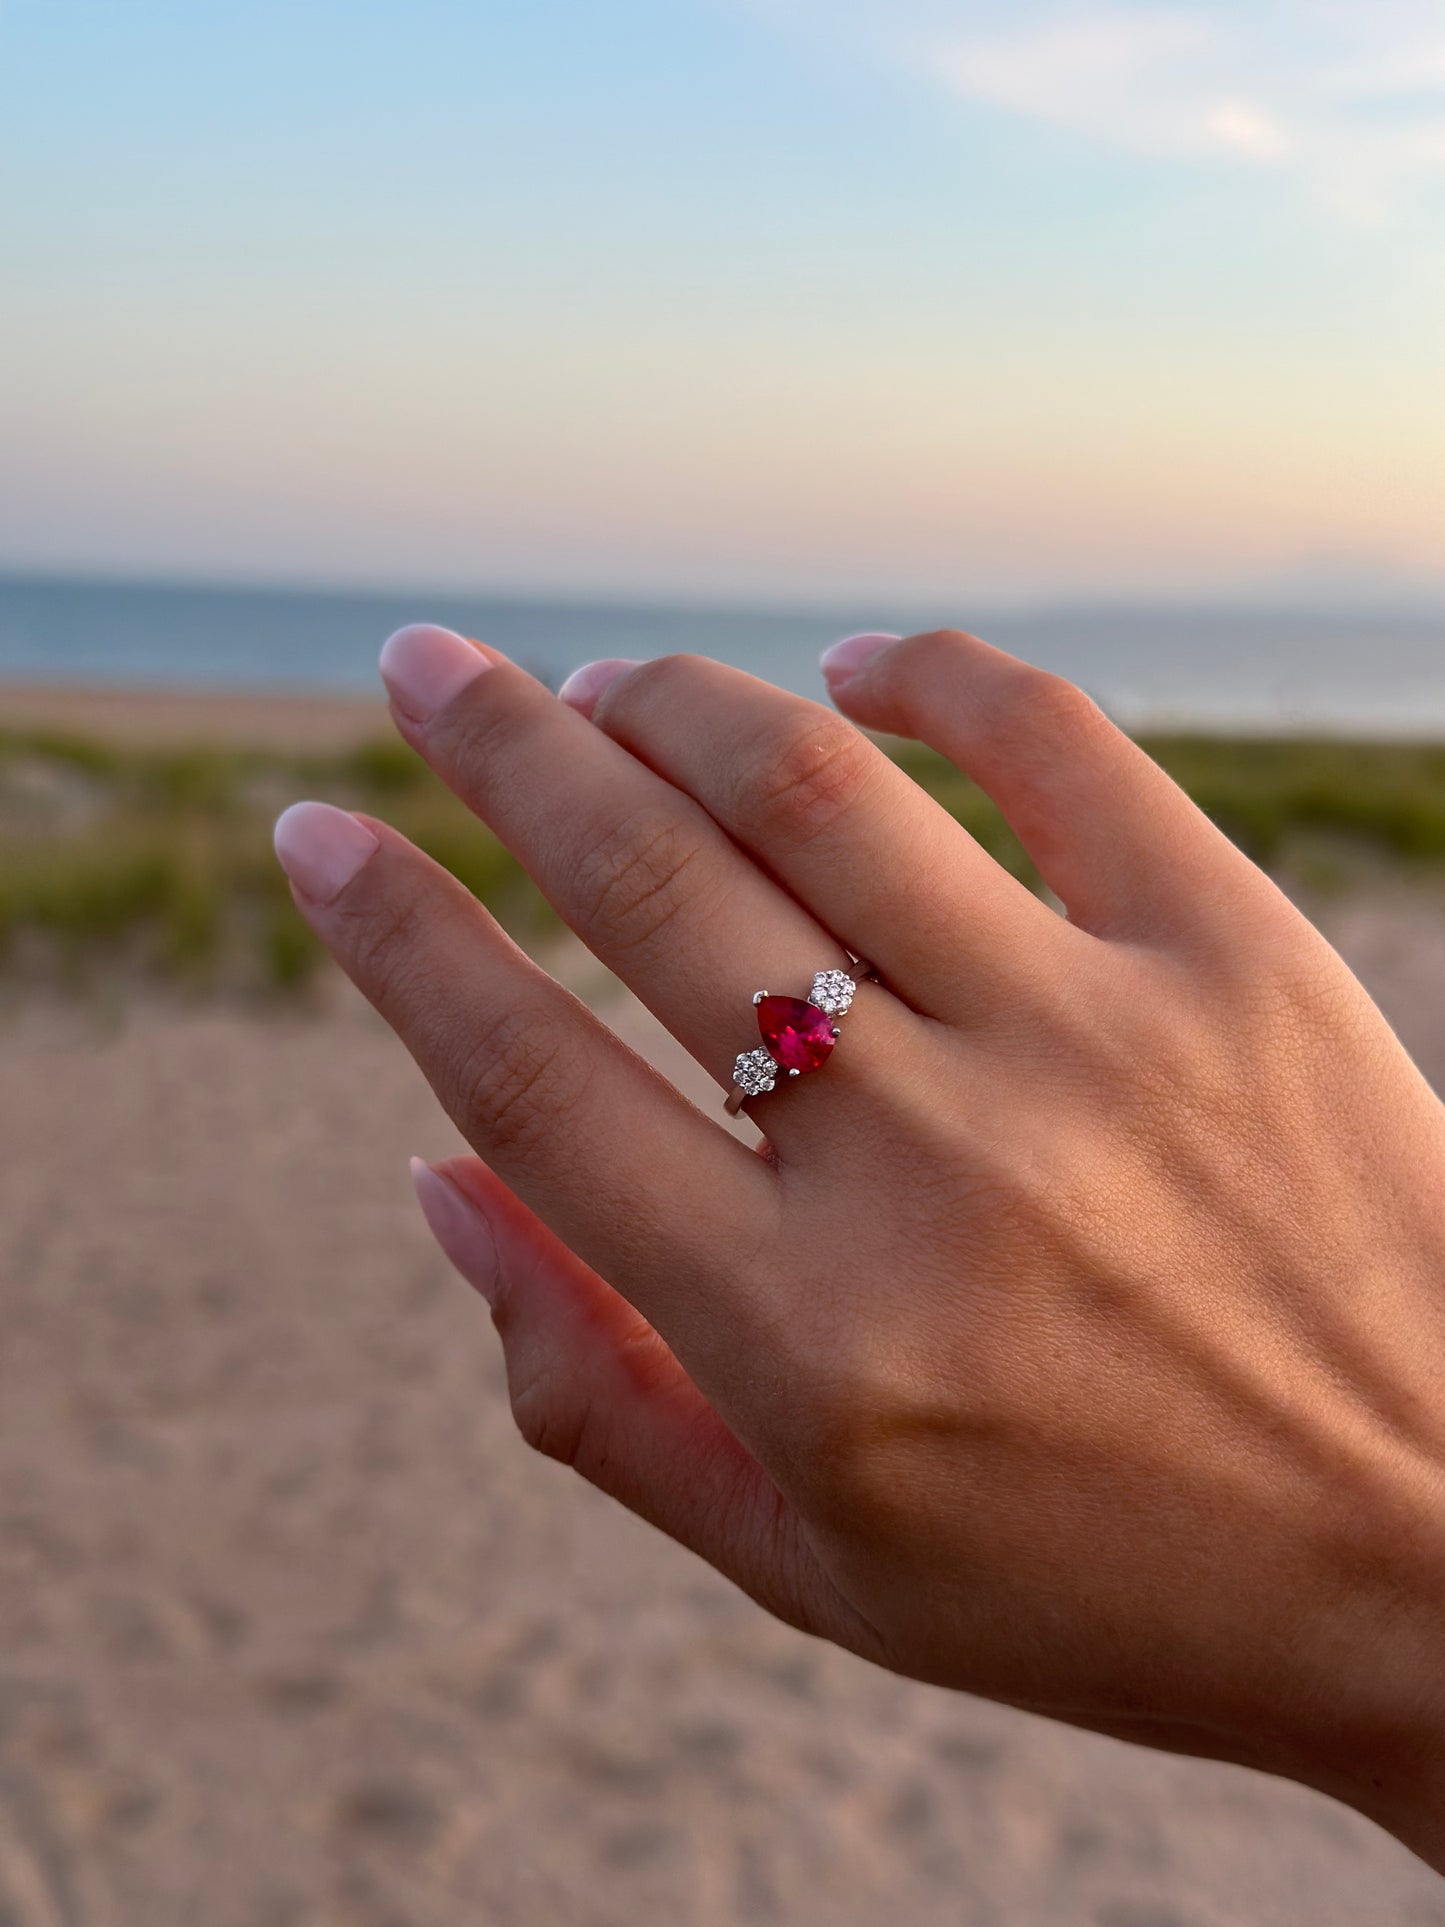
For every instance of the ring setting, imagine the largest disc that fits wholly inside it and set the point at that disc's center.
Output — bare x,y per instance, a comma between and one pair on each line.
798,1034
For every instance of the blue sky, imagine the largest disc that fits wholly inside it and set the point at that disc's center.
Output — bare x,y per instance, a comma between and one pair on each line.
735,297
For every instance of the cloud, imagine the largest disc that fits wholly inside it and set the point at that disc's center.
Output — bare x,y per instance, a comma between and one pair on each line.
1349,97
1248,130
1110,76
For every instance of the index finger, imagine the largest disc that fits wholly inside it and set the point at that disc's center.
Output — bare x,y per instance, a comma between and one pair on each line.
662,1202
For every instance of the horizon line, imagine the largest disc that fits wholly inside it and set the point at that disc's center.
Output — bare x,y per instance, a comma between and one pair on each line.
1400,599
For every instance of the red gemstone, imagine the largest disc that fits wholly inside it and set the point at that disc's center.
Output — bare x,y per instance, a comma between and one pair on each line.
798,1035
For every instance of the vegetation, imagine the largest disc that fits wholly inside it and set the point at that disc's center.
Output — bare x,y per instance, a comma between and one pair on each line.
159,861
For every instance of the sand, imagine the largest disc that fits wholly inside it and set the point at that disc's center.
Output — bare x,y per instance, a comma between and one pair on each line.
294,1632
165,718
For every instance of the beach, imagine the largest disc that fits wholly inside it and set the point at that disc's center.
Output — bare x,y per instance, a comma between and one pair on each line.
184,718
294,1632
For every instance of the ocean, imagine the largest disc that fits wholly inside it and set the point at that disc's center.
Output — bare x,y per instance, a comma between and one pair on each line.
1336,671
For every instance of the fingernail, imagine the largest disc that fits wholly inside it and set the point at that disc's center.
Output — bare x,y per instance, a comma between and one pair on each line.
585,685
424,667
321,848
850,655
459,1228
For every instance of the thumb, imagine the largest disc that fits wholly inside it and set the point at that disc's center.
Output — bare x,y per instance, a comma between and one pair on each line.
592,1384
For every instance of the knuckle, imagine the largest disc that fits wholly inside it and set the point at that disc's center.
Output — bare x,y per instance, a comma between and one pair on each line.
514,1083
555,1403
1016,695
1302,999
935,649
652,686
870,1447
475,737
553,1415
803,778
661,676
935,660
633,880
1040,704
387,948
851,1472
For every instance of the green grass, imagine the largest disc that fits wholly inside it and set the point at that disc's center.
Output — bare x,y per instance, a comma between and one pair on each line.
159,862
1389,797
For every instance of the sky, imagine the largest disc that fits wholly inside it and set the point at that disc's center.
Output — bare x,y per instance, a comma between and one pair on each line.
746,300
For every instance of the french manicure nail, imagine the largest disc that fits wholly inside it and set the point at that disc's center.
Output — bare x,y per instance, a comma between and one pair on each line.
321,848
424,667
583,687
847,657
460,1229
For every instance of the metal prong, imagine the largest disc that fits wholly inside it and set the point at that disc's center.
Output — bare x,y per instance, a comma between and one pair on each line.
758,995
836,1031
795,1073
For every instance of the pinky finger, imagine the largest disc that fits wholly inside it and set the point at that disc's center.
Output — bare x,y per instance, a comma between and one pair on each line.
1116,839
593,1385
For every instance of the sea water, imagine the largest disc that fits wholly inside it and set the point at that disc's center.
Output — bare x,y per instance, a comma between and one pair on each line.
1351,671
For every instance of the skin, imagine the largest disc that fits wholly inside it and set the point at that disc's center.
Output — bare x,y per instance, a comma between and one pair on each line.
1076,1339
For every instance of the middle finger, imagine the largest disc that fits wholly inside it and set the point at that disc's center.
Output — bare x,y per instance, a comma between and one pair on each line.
840,825
639,870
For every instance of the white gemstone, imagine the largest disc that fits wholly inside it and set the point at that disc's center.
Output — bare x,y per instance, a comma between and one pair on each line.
755,1073
832,992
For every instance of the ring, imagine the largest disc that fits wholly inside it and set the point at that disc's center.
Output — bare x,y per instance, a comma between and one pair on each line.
798,1033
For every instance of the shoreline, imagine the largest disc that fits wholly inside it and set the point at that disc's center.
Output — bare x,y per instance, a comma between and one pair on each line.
197,716
152,717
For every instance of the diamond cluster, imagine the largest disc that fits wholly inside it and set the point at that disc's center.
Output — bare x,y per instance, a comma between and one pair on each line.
833,992
755,1073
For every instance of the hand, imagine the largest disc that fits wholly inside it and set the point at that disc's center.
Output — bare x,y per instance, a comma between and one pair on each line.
1077,1339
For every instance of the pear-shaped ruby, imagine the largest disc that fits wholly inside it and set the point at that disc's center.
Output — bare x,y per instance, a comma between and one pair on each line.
798,1035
